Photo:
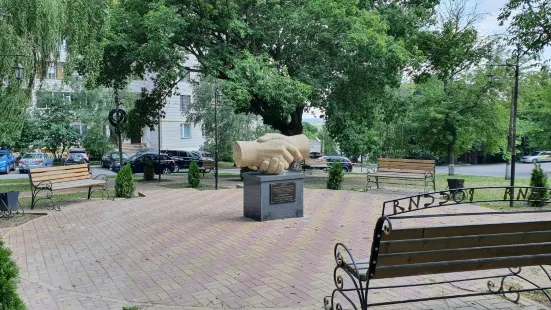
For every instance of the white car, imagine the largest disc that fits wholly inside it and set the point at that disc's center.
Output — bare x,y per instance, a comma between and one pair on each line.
536,157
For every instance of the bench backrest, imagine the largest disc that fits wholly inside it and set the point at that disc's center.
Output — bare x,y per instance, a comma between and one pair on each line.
433,250
59,174
405,165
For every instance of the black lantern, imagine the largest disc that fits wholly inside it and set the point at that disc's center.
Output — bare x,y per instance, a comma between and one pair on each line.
18,70
490,77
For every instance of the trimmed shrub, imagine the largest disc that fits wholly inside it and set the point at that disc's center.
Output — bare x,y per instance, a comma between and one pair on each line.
538,179
8,281
193,177
336,176
149,173
124,184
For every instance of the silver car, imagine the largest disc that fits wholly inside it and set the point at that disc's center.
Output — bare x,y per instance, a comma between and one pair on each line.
536,157
35,160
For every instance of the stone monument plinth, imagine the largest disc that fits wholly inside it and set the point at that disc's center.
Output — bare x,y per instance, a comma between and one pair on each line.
273,197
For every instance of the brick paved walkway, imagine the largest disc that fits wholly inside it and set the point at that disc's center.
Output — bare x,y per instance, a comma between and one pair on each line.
182,248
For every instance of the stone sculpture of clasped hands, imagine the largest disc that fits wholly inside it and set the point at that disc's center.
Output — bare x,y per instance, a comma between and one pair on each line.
272,153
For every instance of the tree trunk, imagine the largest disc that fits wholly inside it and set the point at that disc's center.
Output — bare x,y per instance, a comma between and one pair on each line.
294,127
451,159
508,169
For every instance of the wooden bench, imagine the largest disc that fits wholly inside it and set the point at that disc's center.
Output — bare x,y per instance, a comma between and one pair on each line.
64,177
446,249
411,169
208,166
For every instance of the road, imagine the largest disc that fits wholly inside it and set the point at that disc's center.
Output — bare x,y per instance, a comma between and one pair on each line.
493,170
96,170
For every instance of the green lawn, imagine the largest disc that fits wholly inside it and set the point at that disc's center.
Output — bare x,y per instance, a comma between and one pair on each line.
59,197
13,181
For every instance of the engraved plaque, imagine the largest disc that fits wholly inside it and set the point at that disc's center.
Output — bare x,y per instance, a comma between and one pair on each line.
283,192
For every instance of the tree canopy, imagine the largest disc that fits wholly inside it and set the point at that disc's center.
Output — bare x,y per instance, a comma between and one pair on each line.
34,30
275,58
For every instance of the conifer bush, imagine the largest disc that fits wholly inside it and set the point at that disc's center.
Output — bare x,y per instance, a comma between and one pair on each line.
193,177
9,299
149,172
538,179
124,184
336,176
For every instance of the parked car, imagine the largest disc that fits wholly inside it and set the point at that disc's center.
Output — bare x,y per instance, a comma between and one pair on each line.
7,161
35,160
183,159
110,157
166,166
536,157
147,150
77,157
116,165
345,162
78,152
315,155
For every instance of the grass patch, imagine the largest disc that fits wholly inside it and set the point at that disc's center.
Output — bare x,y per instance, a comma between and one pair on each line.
60,198
225,165
16,187
14,181
202,187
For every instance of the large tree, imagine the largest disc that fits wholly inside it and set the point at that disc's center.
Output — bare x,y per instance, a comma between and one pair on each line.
530,23
275,58
231,126
34,29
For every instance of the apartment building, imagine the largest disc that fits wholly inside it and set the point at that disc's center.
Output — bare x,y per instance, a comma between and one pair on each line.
175,132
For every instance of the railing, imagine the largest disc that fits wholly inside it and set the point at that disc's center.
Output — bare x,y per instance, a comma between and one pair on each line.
465,195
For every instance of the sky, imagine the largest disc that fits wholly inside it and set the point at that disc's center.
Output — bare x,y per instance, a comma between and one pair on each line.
487,26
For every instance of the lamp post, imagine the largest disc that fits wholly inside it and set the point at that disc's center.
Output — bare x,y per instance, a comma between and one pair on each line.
514,114
216,137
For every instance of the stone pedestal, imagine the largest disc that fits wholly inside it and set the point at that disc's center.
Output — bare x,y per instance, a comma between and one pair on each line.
273,197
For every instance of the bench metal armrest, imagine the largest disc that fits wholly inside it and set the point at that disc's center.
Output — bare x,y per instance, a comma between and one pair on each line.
46,184
102,177
371,170
340,258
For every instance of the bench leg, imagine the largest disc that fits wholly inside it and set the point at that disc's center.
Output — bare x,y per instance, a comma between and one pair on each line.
377,181
89,192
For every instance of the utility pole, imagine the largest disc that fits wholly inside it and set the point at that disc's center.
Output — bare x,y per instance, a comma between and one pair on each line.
513,119
515,108
118,128
159,146
216,137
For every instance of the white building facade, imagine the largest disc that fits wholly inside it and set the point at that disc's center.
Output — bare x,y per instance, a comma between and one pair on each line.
175,132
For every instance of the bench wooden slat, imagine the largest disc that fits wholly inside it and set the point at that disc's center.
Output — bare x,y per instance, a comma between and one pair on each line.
70,179
61,177
78,183
418,171
406,168
397,175
401,160
391,164
57,172
462,254
462,265
467,230
433,244
70,167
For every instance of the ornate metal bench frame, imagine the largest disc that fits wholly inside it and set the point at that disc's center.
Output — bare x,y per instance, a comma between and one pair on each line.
360,287
46,186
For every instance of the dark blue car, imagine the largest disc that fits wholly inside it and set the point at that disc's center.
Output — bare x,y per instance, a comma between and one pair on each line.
7,161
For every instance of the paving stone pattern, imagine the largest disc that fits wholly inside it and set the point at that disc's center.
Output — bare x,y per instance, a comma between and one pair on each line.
179,249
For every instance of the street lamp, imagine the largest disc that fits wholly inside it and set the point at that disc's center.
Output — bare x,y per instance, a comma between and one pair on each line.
18,70
513,120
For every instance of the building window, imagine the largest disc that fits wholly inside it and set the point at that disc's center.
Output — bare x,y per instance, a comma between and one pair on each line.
185,100
81,129
51,72
185,131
